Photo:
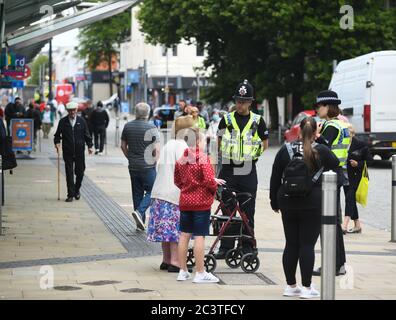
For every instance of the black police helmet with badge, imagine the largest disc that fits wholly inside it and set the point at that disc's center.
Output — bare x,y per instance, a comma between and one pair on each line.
244,91
327,97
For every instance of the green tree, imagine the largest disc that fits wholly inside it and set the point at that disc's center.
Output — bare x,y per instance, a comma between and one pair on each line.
41,60
280,46
99,42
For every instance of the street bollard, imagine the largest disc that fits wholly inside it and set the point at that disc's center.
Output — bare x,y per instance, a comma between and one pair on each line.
393,204
1,195
39,138
328,235
117,133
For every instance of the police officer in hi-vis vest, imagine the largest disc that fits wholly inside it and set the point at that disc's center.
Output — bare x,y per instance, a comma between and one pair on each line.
242,138
335,134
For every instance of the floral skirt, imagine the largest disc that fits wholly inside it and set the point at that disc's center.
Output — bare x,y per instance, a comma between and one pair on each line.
164,222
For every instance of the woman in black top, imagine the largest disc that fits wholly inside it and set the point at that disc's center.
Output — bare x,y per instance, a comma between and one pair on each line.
358,154
301,216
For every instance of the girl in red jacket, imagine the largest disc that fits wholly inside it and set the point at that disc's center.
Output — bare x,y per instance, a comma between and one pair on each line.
195,178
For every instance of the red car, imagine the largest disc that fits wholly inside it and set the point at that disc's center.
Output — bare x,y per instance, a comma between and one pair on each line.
293,133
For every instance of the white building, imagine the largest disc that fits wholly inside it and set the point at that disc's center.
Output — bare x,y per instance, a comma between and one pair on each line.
69,68
184,81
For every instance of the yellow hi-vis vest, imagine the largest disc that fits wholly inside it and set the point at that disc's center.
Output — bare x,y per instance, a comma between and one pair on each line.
341,144
201,123
241,146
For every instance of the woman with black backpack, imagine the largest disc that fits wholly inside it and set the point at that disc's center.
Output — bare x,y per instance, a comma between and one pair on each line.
296,191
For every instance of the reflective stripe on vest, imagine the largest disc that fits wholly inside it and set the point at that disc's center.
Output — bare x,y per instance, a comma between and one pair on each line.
341,144
237,146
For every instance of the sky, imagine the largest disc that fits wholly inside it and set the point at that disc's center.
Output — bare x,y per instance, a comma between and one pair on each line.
65,39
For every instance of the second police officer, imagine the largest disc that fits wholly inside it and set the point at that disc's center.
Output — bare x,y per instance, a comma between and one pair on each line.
242,138
335,134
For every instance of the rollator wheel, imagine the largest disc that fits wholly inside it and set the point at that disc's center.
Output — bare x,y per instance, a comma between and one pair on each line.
250,262
190,258
210,262
233,258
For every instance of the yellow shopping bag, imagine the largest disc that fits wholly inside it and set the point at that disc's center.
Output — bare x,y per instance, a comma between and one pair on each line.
362,190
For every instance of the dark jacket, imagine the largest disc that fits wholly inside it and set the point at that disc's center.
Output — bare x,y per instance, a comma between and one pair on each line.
74,140
86,114
326,158
358,151
36,116
12,111
99,118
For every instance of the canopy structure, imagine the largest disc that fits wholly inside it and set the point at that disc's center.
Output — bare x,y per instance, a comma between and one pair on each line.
25,30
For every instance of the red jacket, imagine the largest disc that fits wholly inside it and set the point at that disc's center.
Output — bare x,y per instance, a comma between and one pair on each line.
195,178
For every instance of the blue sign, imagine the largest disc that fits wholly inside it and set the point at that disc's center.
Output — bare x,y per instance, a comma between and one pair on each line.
22,134
133,76
125,107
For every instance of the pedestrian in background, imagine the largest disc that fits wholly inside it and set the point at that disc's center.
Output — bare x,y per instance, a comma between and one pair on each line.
195,178
61,109
301,215
199,122
358,154
73,132
182,109
203,113
164,210
86,114
34,113
99,121
47,119
211,133
140,145
14,110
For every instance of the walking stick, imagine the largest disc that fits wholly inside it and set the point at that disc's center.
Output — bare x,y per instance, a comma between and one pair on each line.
58,174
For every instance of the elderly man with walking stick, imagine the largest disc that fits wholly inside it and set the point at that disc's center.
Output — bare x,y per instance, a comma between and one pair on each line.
74,133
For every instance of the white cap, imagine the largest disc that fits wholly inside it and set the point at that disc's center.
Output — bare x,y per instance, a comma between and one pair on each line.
72,105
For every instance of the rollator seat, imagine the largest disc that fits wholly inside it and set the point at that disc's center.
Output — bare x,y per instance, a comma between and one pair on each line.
222,218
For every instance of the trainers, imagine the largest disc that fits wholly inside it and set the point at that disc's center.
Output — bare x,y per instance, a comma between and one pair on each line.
341,271
205,277
309,293
138,219
292,292
183,275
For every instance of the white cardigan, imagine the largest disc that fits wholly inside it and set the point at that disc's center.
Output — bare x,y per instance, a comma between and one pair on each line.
164,187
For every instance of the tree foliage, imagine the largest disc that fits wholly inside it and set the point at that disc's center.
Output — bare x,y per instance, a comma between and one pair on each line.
100,41
41,60
280,46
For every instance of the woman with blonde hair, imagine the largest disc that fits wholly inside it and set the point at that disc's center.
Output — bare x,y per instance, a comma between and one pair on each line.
198,120
164,211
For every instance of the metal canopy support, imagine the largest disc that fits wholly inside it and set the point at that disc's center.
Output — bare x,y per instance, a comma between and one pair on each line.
38,33
2,22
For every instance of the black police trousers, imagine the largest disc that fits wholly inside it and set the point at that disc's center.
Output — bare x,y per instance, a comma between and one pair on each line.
74,166
241,183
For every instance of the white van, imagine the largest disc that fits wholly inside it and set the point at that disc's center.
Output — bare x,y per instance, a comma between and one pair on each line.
366,86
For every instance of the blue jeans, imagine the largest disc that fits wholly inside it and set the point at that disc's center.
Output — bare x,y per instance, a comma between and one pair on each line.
142,184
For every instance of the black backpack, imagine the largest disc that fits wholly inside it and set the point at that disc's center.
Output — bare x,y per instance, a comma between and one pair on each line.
297,179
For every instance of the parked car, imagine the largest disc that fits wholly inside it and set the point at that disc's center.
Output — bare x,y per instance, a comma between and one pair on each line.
293,133
365,86
163,116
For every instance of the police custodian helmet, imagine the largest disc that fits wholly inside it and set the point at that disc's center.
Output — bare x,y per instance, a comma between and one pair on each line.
244,91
